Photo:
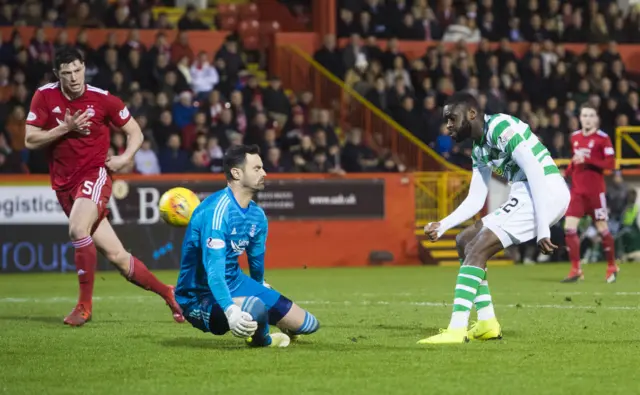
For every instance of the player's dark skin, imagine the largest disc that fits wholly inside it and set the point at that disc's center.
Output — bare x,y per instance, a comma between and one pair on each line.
476,244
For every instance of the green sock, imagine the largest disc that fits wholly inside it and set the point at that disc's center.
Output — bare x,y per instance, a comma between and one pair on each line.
469,279
483,301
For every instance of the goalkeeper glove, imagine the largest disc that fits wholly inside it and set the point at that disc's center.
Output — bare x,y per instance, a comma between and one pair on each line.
240,322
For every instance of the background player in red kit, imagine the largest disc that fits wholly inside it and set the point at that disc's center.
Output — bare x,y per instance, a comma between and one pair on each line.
72,120
592,154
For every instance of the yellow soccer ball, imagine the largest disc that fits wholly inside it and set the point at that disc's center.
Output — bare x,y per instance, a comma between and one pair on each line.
177,205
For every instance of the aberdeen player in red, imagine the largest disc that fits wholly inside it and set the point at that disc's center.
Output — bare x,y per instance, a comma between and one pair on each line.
72,120
592,154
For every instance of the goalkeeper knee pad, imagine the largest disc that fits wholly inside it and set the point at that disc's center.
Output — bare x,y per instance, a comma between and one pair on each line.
256,308
279,309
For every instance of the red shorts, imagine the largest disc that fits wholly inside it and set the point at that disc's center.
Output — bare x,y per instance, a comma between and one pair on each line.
593,204
94,185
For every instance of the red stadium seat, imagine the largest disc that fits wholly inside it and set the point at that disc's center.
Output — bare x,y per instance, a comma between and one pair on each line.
249,28
227,10
248,11
269,28
229,23
251,42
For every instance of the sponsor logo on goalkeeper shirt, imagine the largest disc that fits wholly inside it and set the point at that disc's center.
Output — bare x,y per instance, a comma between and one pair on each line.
215,244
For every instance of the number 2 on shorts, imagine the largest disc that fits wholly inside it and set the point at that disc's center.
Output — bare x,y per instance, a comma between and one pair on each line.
512,203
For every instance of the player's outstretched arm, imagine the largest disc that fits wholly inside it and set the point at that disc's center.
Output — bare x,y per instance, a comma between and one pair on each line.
472,204
214,245
255,253
607,158
134,137
134,140
36,137
213,256
524,157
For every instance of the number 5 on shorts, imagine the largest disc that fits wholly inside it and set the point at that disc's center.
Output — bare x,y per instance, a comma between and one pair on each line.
87,188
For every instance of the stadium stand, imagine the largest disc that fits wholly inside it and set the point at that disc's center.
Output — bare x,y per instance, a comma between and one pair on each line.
544,87
194,104
190,105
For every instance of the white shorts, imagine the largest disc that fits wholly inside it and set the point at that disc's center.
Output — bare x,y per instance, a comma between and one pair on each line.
514,222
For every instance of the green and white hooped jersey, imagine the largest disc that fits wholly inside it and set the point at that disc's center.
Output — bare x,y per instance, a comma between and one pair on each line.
502,134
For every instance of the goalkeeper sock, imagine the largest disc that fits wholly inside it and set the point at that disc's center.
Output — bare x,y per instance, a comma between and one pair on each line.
608,247
469,279
309,325
258,311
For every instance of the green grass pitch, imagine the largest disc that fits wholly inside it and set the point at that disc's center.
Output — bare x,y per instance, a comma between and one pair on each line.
558,338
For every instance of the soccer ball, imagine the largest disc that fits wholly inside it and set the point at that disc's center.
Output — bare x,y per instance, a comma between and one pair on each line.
176,206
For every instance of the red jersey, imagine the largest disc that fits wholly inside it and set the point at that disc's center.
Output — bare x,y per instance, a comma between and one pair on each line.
74,154
588,177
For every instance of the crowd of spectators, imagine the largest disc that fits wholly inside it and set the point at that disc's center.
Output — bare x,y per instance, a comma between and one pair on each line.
190,109
120,14
576,21
545,87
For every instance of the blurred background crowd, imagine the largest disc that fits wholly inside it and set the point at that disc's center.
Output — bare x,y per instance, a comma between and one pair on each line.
192,106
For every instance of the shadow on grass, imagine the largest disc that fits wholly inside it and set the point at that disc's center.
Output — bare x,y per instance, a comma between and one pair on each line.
355,343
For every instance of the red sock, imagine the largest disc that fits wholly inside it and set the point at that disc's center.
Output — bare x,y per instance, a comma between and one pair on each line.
573,246
143,278
608,246
86,258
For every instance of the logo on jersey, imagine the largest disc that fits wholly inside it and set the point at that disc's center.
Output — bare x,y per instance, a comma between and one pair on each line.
124,113
584,152
252,232
90,111
31,117
215,244
239,246
506,136
57,110
591,143
233,232
609,151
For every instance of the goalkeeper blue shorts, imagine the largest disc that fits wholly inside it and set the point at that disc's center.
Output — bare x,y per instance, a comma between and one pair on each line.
207,315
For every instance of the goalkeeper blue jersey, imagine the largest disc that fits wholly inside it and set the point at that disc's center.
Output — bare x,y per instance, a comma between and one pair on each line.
218,233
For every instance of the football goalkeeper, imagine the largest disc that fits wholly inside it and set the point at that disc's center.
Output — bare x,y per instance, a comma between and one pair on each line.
214,293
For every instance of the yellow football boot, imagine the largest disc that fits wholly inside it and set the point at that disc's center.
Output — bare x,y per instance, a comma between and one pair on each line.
485,330
447,336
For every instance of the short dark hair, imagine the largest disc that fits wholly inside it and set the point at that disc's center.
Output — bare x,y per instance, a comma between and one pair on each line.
67,55
236,157
463,98
588,106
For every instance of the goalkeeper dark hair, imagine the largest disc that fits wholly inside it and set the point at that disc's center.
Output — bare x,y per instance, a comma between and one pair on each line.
236,156
67,55
463,98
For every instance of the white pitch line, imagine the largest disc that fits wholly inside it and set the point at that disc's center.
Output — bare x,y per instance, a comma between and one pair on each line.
440,304
502,294
330,302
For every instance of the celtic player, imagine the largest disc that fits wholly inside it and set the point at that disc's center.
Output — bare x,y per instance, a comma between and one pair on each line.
538,199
